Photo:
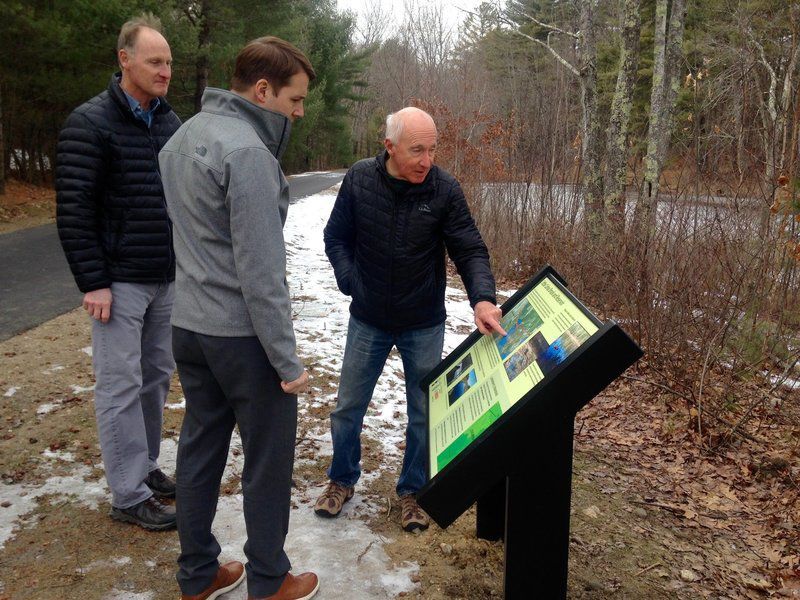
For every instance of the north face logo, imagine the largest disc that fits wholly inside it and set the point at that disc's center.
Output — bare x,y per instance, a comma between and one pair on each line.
424,208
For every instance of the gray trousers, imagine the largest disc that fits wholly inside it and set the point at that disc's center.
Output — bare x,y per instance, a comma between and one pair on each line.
133,363
229,381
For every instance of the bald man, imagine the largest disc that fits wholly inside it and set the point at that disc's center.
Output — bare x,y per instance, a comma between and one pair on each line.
393,219
117,237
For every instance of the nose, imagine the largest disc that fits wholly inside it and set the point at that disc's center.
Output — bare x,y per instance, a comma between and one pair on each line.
298,112
427,159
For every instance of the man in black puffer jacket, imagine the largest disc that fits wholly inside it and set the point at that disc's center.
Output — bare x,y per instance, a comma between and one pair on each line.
393,219
113,225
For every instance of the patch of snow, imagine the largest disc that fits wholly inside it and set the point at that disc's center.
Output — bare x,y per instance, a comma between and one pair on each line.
116,594
22,497
59,455
343,552
53,369
330,174
179,405
76,389
787,382
47,407
99,564
87,350
11,391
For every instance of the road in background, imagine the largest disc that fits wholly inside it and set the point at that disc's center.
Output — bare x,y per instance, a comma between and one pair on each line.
35,281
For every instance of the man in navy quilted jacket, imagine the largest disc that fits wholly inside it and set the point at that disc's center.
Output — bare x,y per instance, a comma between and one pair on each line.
117,238
394,218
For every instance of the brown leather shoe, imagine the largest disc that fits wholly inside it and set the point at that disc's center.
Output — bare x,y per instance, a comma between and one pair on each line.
299,587
228,577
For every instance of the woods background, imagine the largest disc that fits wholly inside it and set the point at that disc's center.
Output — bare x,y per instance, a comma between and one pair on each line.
648,149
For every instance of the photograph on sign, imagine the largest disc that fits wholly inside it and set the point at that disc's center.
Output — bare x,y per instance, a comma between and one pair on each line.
542,329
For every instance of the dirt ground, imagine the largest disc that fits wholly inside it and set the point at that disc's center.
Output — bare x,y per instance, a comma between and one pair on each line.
652,515
24,205
655,514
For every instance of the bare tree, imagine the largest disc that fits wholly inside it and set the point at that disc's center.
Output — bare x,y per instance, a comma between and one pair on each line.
775,107
586,72
667,55
373,25
621,105
427,33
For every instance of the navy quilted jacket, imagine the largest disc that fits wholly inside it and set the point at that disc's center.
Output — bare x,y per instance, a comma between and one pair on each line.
388,253
111,215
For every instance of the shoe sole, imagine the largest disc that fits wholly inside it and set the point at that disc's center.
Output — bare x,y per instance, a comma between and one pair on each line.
123,518
415,528
227,589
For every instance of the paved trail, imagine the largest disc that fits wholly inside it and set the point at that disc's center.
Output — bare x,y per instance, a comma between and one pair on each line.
36,284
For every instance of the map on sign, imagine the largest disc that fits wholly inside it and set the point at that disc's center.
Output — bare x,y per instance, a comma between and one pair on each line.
542,329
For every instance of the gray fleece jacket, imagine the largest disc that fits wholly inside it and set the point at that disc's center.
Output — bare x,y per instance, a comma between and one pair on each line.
227,198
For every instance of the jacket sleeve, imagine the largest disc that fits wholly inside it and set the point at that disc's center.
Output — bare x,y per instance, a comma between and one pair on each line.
252,182
340,236
467,249
80,171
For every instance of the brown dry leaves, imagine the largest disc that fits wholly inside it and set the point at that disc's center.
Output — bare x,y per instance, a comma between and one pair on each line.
737,505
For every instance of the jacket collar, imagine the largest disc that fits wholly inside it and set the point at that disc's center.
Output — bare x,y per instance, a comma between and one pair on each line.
118,95
272,127
426,184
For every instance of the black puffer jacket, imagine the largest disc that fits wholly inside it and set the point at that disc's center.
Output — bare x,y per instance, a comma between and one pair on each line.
388,253
111,215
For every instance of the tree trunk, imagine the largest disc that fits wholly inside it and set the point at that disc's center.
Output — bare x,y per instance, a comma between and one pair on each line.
666,82
202,65
739,107
2,148
592,129
616,147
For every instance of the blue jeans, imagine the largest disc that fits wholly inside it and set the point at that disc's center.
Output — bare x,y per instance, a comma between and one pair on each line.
365,354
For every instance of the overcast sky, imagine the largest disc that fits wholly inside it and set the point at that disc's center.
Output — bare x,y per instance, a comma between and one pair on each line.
452,14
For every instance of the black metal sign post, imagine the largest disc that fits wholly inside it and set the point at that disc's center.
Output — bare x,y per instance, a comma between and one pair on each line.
519,469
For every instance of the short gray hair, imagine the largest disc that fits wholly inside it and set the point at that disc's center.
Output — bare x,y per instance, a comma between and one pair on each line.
130,30
394,127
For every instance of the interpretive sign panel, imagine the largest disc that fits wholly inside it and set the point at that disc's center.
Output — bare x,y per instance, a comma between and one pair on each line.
501,412
543,327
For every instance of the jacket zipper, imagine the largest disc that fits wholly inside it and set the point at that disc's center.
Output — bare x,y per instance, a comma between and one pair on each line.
393,235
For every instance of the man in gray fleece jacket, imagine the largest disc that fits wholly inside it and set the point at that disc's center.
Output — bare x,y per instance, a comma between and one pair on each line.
233,339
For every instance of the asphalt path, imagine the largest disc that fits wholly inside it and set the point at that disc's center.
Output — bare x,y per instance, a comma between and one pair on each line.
35,281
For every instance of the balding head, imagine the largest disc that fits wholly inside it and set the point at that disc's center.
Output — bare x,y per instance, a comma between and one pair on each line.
395,122
411,143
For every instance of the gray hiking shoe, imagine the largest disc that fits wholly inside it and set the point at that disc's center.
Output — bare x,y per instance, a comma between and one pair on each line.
150,514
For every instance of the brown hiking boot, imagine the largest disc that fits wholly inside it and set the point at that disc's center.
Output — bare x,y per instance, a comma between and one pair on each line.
228,577
330,503
300,587
412,517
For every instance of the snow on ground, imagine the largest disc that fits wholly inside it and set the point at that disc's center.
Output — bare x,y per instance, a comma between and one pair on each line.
77,389
343,552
